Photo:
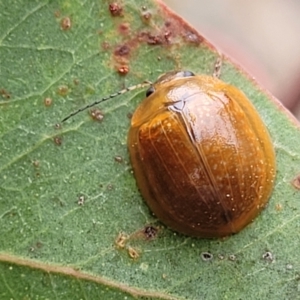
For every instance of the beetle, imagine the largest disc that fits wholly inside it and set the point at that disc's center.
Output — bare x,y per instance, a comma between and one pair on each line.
201,155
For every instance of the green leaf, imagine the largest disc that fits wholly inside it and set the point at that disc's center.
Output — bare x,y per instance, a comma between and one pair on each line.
57,56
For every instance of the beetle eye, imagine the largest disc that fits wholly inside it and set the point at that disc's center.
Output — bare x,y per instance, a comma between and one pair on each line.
187,74
150,91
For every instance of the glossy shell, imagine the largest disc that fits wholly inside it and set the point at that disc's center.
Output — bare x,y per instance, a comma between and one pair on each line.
202,157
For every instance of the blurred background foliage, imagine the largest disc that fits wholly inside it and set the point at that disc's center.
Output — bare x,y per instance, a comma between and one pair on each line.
261,36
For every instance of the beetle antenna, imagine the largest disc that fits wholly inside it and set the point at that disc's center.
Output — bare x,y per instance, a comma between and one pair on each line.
131,88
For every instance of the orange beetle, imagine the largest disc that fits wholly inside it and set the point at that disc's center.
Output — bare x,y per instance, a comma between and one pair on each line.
202,157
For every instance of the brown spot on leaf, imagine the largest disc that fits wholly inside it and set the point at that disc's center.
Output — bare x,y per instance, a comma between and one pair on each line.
97,114
146,16
105,45
57,140
123,70
121,240
133,253
47,101
115,9
65,23
124,28
57,14
63,90
154,39
5,94
122,50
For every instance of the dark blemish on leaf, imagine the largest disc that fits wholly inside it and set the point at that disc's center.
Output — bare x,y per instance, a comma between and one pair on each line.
268,256
133,253
296,182
115,9
123,70
65,23
81,200
129,115
123,50
57,141
154,40
57,126
232,257
150,232
48,101
76,81
5,94
63,90
118,159
96,114
206,256
144,7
